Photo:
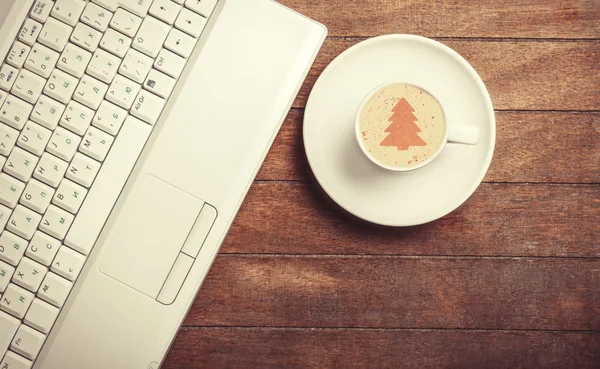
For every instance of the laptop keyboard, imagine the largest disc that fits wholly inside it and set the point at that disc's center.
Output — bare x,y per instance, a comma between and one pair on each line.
80,90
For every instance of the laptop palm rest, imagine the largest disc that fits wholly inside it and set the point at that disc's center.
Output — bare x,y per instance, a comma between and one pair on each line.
150,236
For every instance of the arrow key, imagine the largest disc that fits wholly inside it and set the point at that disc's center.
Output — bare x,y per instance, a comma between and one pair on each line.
68,263
180,43
190,22
165,10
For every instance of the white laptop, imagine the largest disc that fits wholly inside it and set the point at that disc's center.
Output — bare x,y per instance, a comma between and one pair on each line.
130,132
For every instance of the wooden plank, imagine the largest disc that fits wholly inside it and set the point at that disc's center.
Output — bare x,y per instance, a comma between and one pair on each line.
343,348
400,292
530,147
529,75
499,220
464,18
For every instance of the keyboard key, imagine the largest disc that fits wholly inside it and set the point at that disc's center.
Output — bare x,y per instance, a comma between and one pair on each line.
40,12
96,143
8,138
41,316
28,86
159,83
77,117
49,170
96,16
20,164
165,10
108,185
151,36
10,190
55,34
68,11
16,301
4,216
8,328
69,196
27,342
190,23
90,92
107,4
180,43
12,248
109,118
147,107
115,43
30,31
83,170
86,37
74,60
54,289
14,361
17,54
23,222
34,138
8,74
6,273
15,112
169,63
122,92
42,248
3,96
125,22
37,195
60,86
41,60
47,112
63,144
135,66
56,222
29,274
103,66
202,7
68,263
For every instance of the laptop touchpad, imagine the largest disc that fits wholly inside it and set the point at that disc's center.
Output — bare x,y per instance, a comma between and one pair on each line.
150,235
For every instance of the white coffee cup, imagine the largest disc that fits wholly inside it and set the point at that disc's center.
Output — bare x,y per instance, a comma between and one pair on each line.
468,135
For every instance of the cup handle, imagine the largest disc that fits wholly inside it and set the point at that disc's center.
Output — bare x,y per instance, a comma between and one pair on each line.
467,135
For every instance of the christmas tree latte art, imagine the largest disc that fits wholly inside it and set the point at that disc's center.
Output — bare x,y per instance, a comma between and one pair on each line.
401,126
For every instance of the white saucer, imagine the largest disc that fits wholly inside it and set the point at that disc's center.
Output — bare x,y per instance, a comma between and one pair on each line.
357,184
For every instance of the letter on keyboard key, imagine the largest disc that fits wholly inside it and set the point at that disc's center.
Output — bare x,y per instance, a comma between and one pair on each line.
37,196
108,185
6,273
54,289
16,301
41,316
14,361
115,43
90,92
29,274
147,107
12,248
63,144
95,16
60,86
27,342
77,117
8,327
20,164
10,190
47,112
83,170
56,222
96,143
49,170
34,138
23,222
42,248
86,37
69,196
74,60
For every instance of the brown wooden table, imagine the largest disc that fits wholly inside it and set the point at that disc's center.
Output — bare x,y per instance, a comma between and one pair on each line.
510,279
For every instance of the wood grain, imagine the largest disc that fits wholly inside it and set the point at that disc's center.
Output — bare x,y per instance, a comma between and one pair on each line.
364,348
499,220
520,75
526,149
400,292
464,18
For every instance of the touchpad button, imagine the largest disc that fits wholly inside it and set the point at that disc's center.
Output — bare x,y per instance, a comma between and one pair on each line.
150,235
